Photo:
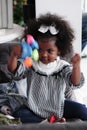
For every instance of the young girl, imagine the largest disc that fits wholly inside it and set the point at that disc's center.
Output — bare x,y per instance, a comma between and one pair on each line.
46,79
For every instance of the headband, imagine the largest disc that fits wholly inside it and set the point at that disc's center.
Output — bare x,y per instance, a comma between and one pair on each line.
51,28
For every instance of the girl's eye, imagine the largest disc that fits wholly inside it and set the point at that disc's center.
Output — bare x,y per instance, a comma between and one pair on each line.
50,51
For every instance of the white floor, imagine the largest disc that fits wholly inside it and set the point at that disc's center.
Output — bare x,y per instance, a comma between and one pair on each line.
81,94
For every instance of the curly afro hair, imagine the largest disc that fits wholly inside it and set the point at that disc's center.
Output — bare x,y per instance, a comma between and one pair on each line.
65,36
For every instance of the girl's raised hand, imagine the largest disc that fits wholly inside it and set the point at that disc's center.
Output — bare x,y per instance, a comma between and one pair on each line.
76,60
17,50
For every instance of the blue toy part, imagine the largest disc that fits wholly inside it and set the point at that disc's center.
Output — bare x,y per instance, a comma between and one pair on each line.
34,45
26,50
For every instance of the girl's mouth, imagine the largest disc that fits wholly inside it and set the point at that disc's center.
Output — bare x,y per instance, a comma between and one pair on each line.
44,60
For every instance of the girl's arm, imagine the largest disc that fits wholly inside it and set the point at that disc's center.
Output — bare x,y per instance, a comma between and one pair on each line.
12,62
76,71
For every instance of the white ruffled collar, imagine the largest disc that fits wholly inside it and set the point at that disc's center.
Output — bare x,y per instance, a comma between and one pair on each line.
49,68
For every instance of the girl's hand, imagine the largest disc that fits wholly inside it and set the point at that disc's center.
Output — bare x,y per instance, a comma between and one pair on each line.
76,60
17,50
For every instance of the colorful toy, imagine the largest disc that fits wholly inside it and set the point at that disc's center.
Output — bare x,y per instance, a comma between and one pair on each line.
30,39
28,62
26,50
29,51
35,55
52,119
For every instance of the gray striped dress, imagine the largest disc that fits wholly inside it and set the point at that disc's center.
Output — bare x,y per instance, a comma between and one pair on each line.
45,92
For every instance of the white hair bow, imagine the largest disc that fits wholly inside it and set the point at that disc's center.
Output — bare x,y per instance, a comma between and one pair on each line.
52,29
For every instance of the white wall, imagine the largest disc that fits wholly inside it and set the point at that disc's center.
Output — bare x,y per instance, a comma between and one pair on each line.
84,5
69,9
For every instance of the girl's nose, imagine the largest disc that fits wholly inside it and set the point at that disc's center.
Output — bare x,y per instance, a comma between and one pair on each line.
44,54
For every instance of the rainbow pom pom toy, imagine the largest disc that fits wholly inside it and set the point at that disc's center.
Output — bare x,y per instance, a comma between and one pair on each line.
29,51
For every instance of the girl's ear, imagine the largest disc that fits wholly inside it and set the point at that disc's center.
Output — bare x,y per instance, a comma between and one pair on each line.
58,53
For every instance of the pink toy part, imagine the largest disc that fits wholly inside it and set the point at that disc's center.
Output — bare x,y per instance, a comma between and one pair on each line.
30,39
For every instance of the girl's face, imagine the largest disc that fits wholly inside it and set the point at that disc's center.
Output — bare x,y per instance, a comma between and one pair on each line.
48,51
